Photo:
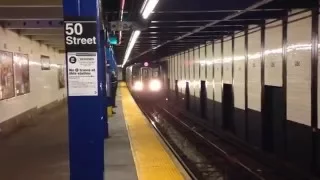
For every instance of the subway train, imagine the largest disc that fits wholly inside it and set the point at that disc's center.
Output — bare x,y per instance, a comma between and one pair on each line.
147,80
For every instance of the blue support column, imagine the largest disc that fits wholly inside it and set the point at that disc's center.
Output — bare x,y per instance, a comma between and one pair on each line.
87,118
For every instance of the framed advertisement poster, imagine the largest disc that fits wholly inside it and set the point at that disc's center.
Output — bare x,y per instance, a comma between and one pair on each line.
21,72
61,76
45,62
6,75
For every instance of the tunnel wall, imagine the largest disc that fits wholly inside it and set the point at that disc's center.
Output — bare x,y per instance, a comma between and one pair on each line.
44,86
267,63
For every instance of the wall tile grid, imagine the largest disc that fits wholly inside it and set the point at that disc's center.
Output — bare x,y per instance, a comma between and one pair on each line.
299,69
239,72
217,71
44,87
209,80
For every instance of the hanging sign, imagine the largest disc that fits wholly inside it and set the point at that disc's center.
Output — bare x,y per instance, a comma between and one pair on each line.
82,61
120,26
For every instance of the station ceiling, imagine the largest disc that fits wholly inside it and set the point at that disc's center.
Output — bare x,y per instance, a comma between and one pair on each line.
174,26
41,20
178,25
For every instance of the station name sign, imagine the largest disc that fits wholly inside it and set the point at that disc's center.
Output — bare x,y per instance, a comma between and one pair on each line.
80,35
81,56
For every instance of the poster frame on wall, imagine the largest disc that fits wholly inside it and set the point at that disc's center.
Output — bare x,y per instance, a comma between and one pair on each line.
45,62
61,69
13,75
26,56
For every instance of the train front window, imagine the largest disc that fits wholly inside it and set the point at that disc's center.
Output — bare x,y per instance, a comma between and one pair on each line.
155,74
145,74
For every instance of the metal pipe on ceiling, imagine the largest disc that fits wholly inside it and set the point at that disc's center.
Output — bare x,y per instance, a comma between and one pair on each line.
203,11
212,23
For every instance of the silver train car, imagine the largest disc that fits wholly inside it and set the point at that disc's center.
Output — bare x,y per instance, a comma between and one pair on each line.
146,80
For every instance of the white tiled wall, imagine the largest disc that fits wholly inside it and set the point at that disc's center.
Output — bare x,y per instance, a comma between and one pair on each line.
203,63
209,60
183,65
179,70
175,68
254,71
299,70
192,65
217,71
197,72
273,54
182,80
171,72
239,72
227,61
187,66
43,84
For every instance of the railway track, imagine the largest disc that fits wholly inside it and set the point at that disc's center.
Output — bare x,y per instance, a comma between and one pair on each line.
204,154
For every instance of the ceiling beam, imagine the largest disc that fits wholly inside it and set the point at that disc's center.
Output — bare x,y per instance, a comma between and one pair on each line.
213,23
42,32
7,14
42,24
41,37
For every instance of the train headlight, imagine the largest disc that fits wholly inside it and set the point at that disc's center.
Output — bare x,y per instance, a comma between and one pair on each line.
155,85
138,86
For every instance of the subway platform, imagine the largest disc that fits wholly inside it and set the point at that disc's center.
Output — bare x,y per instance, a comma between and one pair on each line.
133,151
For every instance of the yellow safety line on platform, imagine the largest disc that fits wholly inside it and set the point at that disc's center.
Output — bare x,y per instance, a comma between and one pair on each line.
151,159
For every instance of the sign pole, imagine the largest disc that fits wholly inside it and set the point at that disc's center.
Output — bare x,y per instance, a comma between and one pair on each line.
86,88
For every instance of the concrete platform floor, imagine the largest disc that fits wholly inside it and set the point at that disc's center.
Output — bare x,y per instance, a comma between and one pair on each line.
119,163
40,152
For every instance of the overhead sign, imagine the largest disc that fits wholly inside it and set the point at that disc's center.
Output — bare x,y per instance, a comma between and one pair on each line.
120,26
82,61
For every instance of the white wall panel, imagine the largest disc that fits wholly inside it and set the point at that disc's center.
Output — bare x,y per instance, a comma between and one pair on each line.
217,72
175,67
239,72
254,71
192,65
44,87
299,70
203,63
170,72
209,60
197,72
187,61
183,66
179,71
227,61
273,54
182,80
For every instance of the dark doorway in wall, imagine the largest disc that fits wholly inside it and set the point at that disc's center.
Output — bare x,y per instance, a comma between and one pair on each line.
228,108
176,89
187,96
203,99
273,120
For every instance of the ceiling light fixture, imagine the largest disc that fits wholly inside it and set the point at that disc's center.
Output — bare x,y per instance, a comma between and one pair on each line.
132,41
147,7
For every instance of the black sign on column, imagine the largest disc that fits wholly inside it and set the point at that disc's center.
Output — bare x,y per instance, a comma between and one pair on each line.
80,34
81,53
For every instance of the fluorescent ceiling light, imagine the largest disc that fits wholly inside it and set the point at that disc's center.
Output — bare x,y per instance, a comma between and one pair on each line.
132,41
148,7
